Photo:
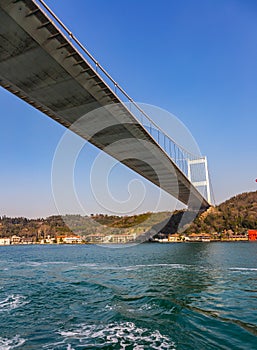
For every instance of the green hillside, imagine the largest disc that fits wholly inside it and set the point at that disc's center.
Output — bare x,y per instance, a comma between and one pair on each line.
37,229
238,214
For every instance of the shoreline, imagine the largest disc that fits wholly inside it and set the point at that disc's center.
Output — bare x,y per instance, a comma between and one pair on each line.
124,244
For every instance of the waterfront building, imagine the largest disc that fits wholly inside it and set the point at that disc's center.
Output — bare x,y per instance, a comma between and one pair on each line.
28,240
96,238
123,238
102,238
200,237
194,237
5,241
252,235
238,238
71,239
15,239
174,237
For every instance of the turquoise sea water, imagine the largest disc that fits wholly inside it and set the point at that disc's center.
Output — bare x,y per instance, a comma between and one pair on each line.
150,296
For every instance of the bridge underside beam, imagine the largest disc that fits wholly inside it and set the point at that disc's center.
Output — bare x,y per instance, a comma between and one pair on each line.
41,66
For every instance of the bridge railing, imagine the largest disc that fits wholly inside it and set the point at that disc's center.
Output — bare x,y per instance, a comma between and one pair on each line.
180,156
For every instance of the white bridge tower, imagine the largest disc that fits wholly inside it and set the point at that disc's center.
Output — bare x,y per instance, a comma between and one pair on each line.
196,176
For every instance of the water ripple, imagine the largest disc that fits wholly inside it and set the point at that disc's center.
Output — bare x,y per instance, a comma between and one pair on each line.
12,302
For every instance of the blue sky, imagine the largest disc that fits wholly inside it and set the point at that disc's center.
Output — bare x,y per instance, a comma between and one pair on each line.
196,59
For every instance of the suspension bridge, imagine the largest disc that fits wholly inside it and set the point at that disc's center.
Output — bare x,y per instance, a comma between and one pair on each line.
44,64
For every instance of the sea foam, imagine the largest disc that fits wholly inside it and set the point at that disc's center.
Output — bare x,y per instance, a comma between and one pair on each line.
122,334
8,344
12,302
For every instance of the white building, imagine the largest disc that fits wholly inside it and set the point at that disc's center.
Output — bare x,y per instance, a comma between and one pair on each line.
16,239
72,239
5,241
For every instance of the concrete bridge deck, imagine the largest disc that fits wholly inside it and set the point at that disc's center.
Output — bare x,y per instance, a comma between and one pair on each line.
39,64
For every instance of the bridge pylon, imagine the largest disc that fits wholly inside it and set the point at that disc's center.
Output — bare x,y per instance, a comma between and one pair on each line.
195,176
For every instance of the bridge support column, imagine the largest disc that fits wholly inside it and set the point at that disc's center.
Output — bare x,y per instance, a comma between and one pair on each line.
200,182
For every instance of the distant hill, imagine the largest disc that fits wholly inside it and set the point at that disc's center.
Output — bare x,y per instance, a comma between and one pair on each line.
238,214
36,229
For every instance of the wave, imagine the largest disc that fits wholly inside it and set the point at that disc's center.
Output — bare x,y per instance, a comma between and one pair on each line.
69,347
12,302
110,267
8,344
243,269
45,263
122,334
174,266
133,267
88,265
144,307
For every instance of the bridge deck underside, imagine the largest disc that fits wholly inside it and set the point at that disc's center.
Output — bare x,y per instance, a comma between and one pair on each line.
40,65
